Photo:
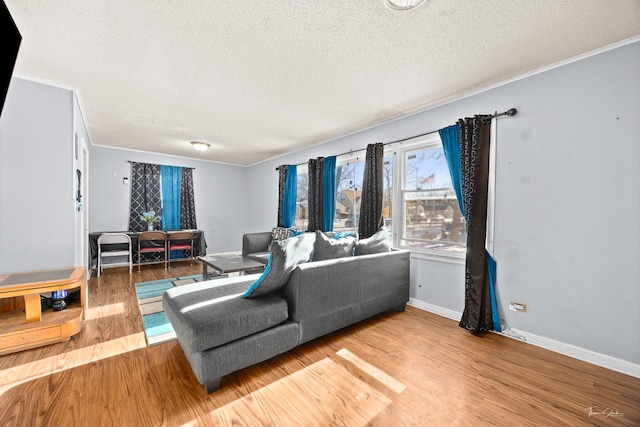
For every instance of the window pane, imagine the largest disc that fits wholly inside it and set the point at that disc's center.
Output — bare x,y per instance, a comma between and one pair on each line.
431,211
387,190
302,201
348,195
349,178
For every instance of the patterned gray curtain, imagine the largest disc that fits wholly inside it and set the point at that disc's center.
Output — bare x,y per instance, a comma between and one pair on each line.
187,201
372,186
316,193
282,183
474,164
145,194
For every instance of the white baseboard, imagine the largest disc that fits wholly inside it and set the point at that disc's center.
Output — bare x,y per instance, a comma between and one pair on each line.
579,353
435,309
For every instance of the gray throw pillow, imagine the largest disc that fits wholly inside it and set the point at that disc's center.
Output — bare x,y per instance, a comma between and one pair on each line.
326,247
379,242
285,255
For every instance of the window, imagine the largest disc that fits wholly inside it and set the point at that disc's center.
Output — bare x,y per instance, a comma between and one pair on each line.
302,199
431,217
349,178
422,210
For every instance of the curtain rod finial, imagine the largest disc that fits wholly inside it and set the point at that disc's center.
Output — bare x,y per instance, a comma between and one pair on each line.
512,112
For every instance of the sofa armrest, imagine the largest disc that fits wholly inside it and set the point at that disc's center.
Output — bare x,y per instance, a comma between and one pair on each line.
256,242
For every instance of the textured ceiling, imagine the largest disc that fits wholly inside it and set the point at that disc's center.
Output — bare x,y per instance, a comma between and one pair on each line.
257,79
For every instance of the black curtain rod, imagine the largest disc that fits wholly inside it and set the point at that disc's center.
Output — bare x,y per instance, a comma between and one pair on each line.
131,161
510,112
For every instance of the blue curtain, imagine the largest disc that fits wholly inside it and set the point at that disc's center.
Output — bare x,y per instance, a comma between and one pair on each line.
290,196
171,180
491,266
329,193
451,138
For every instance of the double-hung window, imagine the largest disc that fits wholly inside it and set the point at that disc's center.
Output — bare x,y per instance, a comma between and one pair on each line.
430,217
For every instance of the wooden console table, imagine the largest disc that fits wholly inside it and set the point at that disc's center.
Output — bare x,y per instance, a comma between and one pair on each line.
21,330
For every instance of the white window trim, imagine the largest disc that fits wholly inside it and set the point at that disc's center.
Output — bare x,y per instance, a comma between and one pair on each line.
398,179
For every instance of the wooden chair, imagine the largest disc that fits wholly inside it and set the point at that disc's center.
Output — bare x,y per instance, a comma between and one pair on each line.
111,245
152,242
180,241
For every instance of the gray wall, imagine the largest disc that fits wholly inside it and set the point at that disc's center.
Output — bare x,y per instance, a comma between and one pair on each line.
220,195
567,205
36,170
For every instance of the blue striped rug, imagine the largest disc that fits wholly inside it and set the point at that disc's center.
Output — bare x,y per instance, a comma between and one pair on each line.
157,328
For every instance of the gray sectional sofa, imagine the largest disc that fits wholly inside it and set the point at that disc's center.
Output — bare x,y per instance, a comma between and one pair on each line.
220,331
255,246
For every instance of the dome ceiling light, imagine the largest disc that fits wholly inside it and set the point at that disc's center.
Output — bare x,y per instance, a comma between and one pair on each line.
200,146
403,4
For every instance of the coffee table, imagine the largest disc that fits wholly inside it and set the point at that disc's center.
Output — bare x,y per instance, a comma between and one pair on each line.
229,263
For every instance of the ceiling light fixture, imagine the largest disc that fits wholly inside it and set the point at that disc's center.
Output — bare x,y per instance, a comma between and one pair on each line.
403,4
200,146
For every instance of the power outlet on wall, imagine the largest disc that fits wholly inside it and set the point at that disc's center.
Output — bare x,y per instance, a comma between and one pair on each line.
517,306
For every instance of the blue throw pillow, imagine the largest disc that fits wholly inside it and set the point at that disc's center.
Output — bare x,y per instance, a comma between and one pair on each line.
285,255
342,234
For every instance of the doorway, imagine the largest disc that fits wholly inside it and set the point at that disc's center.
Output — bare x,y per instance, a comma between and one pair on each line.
81,196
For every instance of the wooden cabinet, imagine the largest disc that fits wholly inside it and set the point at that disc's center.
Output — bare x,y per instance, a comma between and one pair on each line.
21,329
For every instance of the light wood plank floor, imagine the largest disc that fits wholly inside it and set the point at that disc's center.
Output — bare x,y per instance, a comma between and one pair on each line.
397,369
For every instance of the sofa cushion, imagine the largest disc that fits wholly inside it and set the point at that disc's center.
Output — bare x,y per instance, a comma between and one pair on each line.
285,255
205,316
379,242
326,247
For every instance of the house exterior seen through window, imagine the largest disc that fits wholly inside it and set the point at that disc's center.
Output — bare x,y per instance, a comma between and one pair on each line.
431,214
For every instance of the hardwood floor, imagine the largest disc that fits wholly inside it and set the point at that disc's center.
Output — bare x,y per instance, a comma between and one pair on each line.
397,369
